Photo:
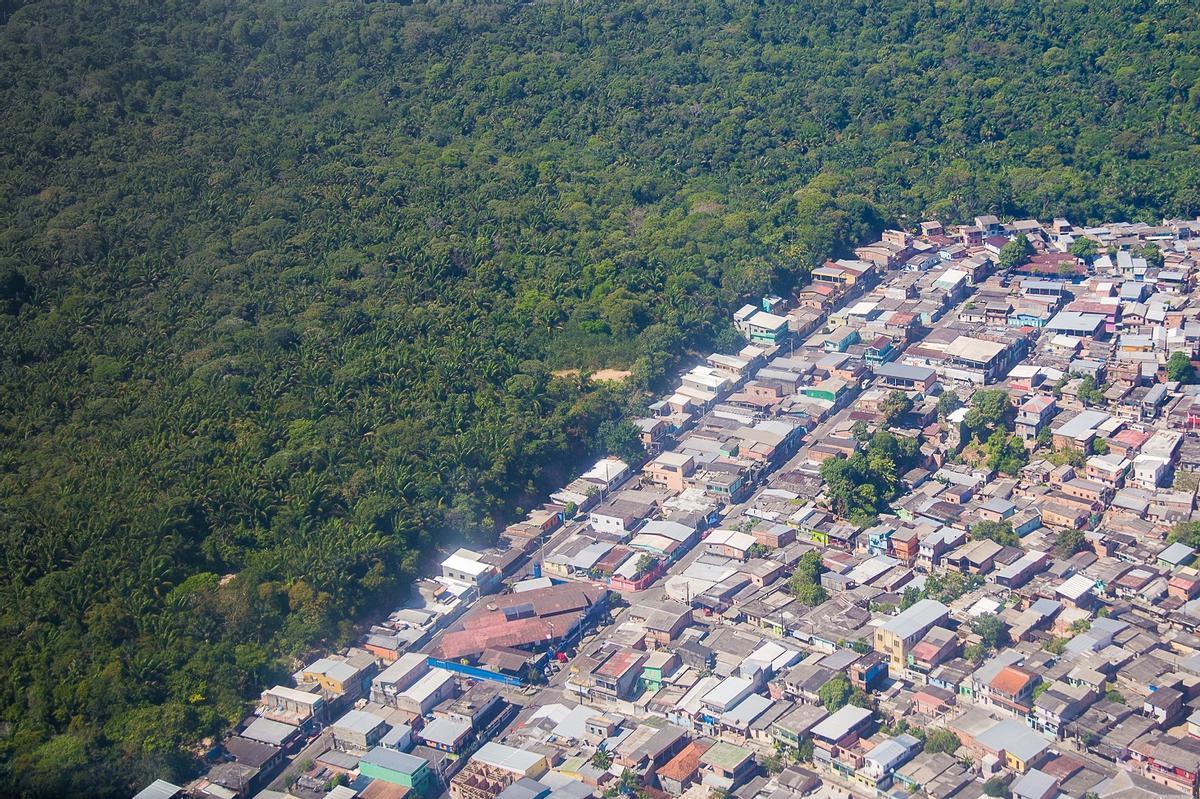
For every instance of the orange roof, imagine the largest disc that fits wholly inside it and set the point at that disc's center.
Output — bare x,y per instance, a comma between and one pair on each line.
1131,437
380,789
684,764
1011,680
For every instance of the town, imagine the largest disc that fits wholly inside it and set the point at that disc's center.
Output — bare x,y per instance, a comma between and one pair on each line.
928,534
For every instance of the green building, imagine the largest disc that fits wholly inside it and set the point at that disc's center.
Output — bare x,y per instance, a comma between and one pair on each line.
399,768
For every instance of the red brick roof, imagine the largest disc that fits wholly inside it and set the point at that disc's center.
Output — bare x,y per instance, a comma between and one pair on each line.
684,764
1011,680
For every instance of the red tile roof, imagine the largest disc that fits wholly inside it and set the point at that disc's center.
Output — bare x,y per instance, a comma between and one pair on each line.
1011,680
684,764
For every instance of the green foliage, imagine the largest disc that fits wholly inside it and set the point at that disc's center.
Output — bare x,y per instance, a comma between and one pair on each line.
1068,542
602,759
948,403
949,586
996,786
1113,695
1068,455
810,594
1045,437
805,582
1100,446
622,439
1179,367
804,752
893,407
1151,252
1185,532
1088,392
942,740
758,551
284,286
1006,454
1056,646
1015,253
1085,248
1000,532
990,410
991,630
835,694
861,486
1186,480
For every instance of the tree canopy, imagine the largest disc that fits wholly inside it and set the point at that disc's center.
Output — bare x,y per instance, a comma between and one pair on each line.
861,486
290,293
1015,252
1179,367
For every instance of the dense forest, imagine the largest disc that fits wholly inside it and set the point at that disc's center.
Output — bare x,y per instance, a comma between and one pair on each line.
284,285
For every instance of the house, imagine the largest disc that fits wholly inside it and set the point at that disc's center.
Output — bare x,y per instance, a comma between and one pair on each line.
533,620
618,675
428,692
894,638
841,339
466,566
933,701
1079,431
974,557
657,667
989,225
1109,469
1076,325
344,677
907,378
291,706
358,730
447,735
398,677
618,516
682,771
1034,784
868,671
725,766
1033,415
669,470
663,620
978,361
840,730
1022,570
881,762
937,646
1019,747
793,728
761,327
1011,690
399,768
1168,760
729,543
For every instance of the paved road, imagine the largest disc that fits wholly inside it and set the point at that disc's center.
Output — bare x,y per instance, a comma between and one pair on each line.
305,757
